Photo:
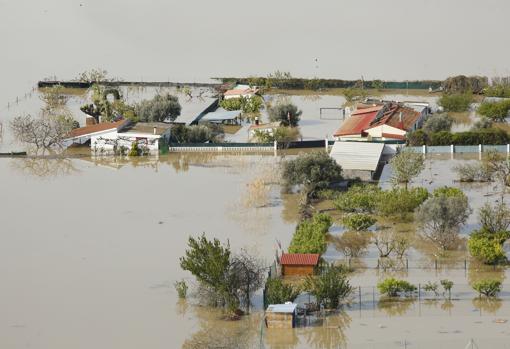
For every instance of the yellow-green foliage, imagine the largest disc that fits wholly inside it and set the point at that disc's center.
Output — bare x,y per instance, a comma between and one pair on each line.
310,235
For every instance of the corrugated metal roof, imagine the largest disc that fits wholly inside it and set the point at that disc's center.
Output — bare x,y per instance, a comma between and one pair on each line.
357,155
221,115
282,308
299,259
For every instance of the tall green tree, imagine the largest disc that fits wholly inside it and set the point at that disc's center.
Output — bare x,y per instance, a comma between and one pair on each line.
406,165
287,114
159,109
314,171
329,287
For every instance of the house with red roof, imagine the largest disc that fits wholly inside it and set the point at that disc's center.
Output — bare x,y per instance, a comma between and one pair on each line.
390,121
299,264
239,91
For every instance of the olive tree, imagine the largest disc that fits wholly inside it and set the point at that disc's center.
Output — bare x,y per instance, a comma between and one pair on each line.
437,123
158,109
441,217
314,171
406,165
287,114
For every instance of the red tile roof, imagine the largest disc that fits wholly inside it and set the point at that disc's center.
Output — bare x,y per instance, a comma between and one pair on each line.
104,126
299,259
240,91
358,122
391,117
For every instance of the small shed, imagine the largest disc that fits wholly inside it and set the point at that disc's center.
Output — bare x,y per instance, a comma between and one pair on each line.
299,264
358,159
281,315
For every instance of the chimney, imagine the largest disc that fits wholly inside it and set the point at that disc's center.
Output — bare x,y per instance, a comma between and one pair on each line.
89,121
155,130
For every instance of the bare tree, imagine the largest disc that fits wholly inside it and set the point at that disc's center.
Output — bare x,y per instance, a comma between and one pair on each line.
42,132
249,273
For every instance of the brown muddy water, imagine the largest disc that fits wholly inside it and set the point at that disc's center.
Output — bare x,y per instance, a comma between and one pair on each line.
90,250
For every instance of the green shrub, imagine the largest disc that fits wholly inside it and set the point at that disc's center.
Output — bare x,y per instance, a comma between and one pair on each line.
278,292
351,94
181,288
359,198
310,235
491,136
447,286
417,138
398,201
485,249
500,90
329,287
358,221
497,111
487,287
246,105
431,287
456,102
394,287
448,191
437,123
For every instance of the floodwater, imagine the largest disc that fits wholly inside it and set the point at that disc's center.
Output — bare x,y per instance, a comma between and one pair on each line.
90,249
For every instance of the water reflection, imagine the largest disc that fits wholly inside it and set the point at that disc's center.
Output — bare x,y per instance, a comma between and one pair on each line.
216,333
329,332
44,167
487,304
396,307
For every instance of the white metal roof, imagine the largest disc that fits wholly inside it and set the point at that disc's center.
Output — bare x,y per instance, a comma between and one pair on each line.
282,308
221,115
357,155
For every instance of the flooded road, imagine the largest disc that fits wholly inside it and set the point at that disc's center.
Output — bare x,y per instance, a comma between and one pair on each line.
89,252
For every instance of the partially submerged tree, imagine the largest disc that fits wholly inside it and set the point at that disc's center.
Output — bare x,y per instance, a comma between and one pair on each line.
44,132
486,243
406,165
287,114
278,292
352,244
158,109
441,217
330,287
226,279
314,171
456,102
281,134
437,123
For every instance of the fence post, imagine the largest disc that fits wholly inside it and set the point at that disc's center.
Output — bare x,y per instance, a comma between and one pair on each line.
480,148
435,263
419,292
359,291
508,148
275,145
424,149
452,148
465,264
407,263
326,143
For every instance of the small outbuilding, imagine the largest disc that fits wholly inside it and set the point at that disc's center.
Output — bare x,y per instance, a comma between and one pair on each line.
281,315
299,264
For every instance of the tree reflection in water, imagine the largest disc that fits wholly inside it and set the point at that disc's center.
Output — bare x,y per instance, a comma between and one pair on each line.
215,332
329,332
395,307
44,167
487,304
